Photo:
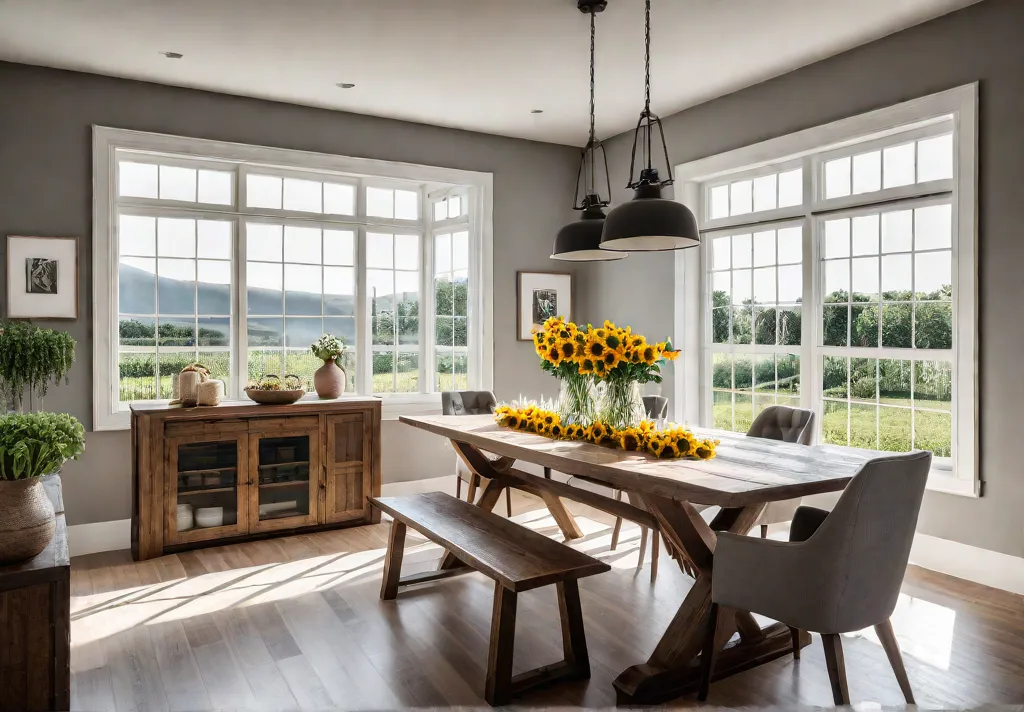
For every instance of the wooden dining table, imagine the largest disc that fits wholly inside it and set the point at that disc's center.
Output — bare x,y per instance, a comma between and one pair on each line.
746,475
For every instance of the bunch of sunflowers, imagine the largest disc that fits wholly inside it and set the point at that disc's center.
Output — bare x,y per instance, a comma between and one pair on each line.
674,441
604,352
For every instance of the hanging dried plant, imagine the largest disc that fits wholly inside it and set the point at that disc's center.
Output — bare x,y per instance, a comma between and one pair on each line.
32,358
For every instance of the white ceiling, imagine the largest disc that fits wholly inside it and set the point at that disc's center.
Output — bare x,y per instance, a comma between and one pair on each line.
473,64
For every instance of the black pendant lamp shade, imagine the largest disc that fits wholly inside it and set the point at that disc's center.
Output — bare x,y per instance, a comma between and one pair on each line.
580,241
649,222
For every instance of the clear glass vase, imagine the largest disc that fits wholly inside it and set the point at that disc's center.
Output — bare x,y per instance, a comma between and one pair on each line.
576,404
620,404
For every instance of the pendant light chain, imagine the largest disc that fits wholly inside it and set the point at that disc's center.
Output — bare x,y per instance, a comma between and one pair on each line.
649,222
647,81
593,45
647,59
589,188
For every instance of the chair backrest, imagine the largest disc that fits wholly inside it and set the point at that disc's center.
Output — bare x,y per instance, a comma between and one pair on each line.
781,422
467,402
656,407
866,540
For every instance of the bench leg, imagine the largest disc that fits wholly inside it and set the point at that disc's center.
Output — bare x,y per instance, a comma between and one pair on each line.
574,640
498,688
393,562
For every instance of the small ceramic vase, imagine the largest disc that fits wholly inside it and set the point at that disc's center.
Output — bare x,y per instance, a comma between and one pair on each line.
329,380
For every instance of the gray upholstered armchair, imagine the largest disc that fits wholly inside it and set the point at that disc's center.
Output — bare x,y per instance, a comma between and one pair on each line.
656,407
849,567
791,425
470,403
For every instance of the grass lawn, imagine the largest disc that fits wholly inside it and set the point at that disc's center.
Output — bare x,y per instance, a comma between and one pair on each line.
865,426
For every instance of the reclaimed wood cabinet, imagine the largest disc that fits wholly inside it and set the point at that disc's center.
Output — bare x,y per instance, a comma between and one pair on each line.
35,623
239,470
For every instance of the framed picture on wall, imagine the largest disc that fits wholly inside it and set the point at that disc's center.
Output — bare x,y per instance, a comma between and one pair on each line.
542,295
42,277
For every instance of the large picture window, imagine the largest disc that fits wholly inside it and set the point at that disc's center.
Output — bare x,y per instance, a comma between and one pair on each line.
239,257
837,272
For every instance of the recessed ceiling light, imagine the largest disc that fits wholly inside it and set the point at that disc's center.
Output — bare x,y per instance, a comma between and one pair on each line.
344,85
536,111
172,55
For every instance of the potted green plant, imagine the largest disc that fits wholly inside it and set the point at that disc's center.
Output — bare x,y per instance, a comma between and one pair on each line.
329,380
32,445
30,360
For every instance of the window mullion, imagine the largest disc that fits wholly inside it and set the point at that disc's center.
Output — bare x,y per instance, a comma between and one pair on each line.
239,306
364,331
428,370
811,314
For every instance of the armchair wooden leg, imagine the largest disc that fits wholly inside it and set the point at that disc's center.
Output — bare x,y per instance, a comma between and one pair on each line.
508,501
393,562
474,482
836,667
795,633
643,548
655,545
618,523
764,531
892,651
458,486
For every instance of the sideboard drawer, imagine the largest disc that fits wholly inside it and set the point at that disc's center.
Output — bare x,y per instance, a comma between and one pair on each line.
298,422
205,427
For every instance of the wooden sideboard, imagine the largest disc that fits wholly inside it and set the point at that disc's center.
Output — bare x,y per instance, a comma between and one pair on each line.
35,623
239,470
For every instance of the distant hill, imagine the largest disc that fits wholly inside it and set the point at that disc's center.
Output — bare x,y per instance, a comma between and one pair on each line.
178,297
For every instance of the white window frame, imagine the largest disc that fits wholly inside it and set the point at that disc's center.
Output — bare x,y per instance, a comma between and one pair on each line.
477,187
460,223
812,146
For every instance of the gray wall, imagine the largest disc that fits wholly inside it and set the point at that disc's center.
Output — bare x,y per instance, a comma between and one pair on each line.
980,43
45,189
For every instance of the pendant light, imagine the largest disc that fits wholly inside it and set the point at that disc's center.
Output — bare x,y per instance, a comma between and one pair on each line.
580,241
648,222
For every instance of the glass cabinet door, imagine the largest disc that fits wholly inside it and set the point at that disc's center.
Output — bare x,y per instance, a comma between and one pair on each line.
286,479
206,482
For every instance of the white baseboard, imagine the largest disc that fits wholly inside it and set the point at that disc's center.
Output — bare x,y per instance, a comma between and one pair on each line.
989,568
117,534
100,536
432,484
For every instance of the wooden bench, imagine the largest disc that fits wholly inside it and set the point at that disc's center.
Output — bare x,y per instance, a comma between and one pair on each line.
516,558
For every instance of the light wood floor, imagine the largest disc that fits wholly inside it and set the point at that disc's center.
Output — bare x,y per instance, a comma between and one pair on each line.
296,623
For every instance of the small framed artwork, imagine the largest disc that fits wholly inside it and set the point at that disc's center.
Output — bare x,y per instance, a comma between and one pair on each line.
42,277
542,295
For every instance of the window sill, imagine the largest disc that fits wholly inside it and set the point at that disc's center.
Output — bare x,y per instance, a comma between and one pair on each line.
424,404
943,481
